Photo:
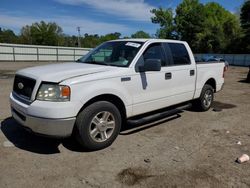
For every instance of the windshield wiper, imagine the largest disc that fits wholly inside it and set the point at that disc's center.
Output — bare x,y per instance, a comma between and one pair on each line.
100,63
96,62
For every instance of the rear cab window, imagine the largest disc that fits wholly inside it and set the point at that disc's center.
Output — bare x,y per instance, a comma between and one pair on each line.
177,53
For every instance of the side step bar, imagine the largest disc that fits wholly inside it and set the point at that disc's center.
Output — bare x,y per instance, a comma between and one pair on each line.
158,115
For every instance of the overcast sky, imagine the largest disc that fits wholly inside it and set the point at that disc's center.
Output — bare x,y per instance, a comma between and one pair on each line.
93,16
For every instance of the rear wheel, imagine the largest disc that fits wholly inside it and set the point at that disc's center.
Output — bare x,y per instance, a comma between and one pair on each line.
98,125
204,102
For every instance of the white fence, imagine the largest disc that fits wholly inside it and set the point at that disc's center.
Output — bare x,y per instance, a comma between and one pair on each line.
17,52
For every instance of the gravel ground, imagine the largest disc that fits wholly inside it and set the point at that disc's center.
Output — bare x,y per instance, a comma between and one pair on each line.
190,149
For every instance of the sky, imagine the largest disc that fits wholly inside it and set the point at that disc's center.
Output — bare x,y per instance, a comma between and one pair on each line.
92,16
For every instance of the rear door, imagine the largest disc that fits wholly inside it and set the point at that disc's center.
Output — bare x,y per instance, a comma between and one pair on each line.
183,72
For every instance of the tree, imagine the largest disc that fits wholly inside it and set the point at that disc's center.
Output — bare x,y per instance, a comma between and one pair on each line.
164,17
245,15
68,40
207,28
140,34
25,37
42,34
245,24
90,41
110,36
189,21
7,36
232,33
221,30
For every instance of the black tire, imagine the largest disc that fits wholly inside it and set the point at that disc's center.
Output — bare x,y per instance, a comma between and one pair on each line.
85,125
200,103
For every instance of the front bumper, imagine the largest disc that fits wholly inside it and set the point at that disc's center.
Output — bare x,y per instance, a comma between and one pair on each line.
55,127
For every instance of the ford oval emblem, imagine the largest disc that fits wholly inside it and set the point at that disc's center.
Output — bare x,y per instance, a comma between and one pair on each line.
20,85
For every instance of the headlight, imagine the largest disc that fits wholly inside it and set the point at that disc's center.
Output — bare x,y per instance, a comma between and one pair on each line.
53,92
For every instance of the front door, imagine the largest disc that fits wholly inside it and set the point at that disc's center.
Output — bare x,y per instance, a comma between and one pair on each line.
149,91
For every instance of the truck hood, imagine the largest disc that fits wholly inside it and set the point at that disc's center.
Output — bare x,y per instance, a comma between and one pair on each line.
63,71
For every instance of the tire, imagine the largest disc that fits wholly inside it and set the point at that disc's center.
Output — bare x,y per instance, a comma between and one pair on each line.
98,125
205,101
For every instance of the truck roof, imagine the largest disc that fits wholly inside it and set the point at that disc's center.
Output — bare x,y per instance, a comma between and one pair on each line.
150,40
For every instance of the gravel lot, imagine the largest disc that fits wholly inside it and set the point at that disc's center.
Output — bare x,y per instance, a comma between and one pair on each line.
190,149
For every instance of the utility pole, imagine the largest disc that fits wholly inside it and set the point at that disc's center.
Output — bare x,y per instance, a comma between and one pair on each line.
79,35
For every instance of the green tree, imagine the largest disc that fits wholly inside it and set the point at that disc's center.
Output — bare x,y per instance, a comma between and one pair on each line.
42,34
207,28
221,30
25,37
110,36
232,33
140,34
164,17
245,24
189,21
90,41
8,36
70,41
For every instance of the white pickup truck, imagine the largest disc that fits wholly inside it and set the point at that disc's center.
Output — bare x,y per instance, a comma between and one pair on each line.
93,97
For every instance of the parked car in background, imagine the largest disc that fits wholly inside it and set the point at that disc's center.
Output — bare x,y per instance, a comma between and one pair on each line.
226,63
216,59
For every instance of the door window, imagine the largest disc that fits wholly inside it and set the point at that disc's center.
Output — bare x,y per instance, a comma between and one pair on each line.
155,51
179,53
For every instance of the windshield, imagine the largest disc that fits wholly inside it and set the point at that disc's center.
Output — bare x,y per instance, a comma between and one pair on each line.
114,53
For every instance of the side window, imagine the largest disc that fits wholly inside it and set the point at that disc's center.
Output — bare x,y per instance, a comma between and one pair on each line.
179,53
155,51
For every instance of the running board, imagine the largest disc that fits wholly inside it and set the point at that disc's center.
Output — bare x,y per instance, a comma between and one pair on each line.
159,115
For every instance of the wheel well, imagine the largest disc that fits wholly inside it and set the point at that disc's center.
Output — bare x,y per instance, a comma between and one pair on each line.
212,83
112,99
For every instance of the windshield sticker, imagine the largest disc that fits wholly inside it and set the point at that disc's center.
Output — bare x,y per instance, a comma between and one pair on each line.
136,45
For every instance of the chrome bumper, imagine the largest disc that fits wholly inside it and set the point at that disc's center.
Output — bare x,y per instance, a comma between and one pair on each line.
43,126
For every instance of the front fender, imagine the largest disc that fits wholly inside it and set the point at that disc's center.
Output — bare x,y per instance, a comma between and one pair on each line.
85,91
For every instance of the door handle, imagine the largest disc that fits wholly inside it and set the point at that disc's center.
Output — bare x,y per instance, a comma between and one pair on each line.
192,72
168,76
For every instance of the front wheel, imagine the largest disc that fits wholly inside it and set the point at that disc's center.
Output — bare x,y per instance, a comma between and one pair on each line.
204,102
98,125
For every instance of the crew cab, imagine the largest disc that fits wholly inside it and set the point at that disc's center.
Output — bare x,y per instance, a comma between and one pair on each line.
120,79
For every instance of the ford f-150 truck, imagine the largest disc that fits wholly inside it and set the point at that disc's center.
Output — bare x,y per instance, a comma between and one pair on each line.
118,80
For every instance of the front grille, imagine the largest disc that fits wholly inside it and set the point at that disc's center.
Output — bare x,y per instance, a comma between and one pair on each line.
23,86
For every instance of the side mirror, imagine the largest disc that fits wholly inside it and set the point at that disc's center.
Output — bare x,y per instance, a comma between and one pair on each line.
151,65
